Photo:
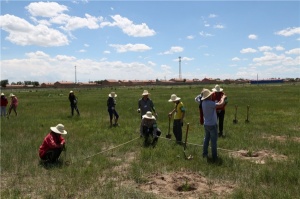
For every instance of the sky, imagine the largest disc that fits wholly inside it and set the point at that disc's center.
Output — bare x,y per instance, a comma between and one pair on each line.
82,41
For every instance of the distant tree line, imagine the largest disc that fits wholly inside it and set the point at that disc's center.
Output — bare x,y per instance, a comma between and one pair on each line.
6,82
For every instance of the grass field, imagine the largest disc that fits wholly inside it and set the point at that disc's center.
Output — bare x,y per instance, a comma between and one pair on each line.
113,163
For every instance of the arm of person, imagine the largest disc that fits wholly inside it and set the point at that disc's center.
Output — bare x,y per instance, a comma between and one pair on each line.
221,103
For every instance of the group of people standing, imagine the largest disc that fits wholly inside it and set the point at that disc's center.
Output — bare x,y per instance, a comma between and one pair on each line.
13,105
211,106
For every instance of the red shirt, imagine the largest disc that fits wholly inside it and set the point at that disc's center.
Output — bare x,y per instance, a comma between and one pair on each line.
51,141
216,97
4,101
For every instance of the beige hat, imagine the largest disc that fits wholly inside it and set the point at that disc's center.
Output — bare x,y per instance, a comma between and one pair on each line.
2,94
145,93
217,88
112,94
59,129
149,115
71,92
174,98
11,95
206,93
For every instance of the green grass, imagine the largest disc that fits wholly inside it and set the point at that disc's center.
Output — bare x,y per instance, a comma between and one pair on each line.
274,110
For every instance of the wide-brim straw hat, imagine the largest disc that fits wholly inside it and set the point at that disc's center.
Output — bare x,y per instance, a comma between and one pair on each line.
59,129
217,88
71,91
205,94
145,93
2,94
11,95
149,115
174,98
112,94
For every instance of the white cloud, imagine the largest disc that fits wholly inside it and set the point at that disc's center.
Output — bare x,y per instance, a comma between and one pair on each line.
252,36
248,50
289,31
219,26
265,48
272,59
23,33
190,37
127,26
204,34
184,59
212,16
235,59
173,49
279,48
150,63
106,52
45,9
130,47
295,51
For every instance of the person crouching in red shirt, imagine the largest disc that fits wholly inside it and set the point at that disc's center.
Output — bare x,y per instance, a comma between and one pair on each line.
53,144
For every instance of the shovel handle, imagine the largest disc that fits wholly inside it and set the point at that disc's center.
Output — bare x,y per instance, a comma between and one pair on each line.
186,134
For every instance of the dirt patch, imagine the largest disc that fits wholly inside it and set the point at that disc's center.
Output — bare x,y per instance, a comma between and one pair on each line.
258,157
186,185
281,138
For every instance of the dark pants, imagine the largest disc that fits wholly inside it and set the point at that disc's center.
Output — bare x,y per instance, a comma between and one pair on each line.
112,112
221,115
52,155
147,132
177,130
74,106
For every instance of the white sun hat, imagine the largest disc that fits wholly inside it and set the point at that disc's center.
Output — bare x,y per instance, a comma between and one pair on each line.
145,93
149,115
206,93
174,98
112,94
217,88
59,129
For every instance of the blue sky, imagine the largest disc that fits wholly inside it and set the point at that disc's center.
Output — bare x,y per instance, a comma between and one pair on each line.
142,40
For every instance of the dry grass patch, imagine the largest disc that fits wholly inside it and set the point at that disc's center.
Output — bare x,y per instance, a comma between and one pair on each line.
258,157
186,185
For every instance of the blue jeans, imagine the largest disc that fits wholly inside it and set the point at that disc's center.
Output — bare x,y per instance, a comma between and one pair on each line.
211,134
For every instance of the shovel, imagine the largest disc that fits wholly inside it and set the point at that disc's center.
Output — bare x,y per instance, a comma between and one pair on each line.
169,135
67,162
186,135
247,120
235,120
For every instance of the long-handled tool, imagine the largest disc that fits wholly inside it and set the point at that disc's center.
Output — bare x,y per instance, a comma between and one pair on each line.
169,135
247,120
235,120
67,162
184,147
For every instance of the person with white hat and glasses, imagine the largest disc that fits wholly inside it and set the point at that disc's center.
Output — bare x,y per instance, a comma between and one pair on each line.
149,128
210,123
178,115
145,104
53,144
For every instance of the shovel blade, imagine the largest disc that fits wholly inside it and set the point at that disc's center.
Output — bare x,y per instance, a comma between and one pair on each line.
168,136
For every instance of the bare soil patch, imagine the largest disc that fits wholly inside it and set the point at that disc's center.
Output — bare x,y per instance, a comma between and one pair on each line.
281,138
258,157
186,185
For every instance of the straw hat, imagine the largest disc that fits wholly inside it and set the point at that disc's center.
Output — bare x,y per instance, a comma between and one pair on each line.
174,98
59,129
11,95
149,115
145,93
2,94
71,92
217,88
206,93
112,94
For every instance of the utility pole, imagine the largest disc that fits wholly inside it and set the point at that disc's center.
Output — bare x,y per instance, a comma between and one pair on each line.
180,68
75,76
